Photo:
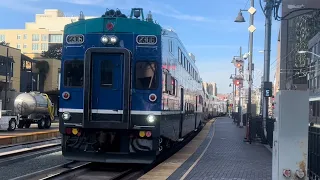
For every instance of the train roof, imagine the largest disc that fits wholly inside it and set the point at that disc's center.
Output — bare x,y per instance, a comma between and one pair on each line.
172,34
117,23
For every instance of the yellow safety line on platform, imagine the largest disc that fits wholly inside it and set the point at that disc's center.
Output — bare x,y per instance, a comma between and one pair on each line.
30,134
196,162
25,149
169,166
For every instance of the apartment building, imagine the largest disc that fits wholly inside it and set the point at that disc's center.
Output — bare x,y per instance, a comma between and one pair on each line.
37,36
10,62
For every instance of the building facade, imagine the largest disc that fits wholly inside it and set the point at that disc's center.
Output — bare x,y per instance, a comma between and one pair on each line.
297,28
10,62
37,36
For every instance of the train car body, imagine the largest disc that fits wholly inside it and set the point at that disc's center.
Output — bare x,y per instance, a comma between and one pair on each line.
129,89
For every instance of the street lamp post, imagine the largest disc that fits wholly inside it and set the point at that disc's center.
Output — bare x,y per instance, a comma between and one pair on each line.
251,28
304,52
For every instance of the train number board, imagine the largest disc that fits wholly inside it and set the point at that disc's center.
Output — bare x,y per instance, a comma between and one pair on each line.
146,39
75,39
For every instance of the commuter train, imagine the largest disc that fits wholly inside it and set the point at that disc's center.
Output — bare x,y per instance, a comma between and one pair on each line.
129,89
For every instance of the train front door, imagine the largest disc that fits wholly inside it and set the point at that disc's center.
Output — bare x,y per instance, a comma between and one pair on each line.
108,89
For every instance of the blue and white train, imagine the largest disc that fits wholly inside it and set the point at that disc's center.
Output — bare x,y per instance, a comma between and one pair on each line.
129,89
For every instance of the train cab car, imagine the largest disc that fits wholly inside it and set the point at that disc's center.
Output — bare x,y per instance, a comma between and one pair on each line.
120,101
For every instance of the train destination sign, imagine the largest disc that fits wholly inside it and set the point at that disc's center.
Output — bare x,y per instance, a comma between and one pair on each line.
75,39
146,39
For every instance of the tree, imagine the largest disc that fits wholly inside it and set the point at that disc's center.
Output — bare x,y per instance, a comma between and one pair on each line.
54,51
3,43
43,67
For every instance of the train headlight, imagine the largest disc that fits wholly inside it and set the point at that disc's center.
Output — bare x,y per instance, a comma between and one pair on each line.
66,116
104,39
151,118
113,39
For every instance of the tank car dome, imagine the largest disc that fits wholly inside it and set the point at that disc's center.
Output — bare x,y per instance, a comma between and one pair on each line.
24,103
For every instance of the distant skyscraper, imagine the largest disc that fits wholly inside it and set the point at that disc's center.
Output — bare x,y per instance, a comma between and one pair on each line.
214,89
211,88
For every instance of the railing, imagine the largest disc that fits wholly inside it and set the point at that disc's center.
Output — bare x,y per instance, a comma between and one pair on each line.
314,152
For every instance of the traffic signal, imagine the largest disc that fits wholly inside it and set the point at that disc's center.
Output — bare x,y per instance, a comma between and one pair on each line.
237,82
238,62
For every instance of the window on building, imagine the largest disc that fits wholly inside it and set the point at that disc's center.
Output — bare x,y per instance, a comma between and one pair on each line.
44,37
18,46
24,46
18,36
55,38
73,73
35,37
145,75
106,73
44,47
25,36
35,46
2,37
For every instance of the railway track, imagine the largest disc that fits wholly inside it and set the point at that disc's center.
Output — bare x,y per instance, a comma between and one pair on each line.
87,170
83,170
20,152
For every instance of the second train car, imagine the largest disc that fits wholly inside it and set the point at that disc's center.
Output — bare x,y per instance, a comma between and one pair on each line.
129,89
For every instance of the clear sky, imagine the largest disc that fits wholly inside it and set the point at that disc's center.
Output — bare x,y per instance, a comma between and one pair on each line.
206,27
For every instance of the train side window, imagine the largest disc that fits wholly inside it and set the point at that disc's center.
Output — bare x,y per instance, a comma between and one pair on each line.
179,56
164,82
73,73
145,75
174,86
106,73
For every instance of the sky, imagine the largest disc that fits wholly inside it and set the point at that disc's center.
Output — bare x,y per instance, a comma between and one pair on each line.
206,28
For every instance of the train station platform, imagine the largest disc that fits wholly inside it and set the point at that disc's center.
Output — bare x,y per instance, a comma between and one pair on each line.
217,152
28,135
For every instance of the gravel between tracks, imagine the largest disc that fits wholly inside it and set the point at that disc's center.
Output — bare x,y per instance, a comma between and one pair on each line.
32,165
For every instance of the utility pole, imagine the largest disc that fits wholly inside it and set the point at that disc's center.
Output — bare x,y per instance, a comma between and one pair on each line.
234,92
261,97
240,107
250,64
267,51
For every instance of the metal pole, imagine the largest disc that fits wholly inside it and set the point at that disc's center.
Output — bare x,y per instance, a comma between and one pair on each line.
261,97
6,84
240,105
234,92
250,66
267,50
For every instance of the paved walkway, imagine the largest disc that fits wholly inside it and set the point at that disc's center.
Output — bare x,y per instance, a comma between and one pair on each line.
227,156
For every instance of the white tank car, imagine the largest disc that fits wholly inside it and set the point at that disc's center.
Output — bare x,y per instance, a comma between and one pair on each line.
34,107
